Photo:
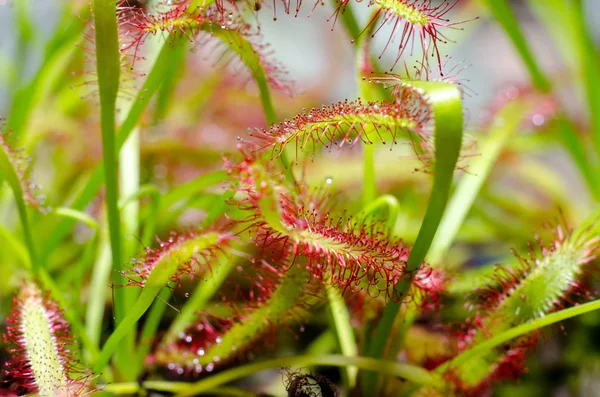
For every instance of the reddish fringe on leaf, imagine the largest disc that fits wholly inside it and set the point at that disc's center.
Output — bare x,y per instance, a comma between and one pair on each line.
351,255
488,300
196,340
180,357
506,278
18,371
198,264
343,124
201,26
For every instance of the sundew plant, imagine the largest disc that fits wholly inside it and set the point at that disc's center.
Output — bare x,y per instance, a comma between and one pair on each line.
179,216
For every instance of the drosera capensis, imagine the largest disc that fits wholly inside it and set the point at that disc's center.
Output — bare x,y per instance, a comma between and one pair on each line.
207,258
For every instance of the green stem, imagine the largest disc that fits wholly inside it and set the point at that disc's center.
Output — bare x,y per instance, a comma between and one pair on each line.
108,69
173,387
343,330
409,372
522,329
129,184
367,91
349,21
265,99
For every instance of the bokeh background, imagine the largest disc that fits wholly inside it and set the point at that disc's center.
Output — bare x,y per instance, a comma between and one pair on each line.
190,138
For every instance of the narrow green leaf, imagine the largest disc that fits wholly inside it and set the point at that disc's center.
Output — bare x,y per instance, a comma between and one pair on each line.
78,216
108,68
152,323
515,332
409,372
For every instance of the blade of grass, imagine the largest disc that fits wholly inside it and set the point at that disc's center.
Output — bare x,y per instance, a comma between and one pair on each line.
25,36
108,66
569,137
78,216
126,325
151,214
191,188
164,96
